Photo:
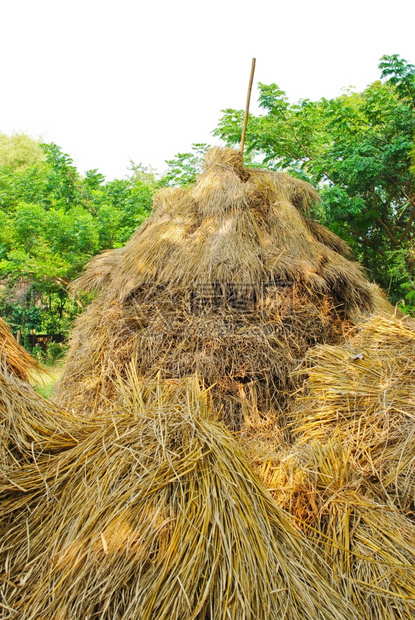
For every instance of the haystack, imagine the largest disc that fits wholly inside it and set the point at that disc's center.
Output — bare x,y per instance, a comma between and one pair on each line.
30,425
363,395
27,422
350,479
229,278
154,514
368,544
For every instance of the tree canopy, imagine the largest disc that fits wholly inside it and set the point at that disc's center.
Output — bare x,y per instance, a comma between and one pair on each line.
52,221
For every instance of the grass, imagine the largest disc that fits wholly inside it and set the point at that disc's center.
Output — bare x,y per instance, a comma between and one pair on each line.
45,380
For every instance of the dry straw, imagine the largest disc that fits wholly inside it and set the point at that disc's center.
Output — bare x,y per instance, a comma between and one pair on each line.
229,278
154,514
362,395
14,356
30,425
350,479
139,502
368,544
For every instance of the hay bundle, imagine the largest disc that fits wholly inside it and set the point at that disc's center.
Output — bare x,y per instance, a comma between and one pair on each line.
229,278
369,546
30,426
28,423
14,356
362,394
155,514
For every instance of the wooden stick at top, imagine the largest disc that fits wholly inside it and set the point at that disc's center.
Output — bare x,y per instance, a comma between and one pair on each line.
248,99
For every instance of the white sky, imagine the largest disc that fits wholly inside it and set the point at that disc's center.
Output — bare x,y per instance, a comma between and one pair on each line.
111,81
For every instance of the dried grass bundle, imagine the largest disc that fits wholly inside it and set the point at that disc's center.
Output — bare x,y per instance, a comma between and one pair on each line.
14,356
362,394
369,545
30,425
248,360
155,514
229,278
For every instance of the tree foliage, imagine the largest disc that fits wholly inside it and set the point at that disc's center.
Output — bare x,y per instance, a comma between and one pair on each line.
19,151
358,149
184,167
52,221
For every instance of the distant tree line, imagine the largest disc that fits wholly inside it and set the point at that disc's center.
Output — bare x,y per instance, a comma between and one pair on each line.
52,221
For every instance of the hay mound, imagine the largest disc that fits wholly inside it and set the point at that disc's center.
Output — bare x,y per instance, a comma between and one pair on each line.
30,425
369,546
229,278
14,357
362,394
154,514
350,479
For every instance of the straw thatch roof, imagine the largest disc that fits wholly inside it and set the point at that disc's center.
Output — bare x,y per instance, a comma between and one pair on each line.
229,278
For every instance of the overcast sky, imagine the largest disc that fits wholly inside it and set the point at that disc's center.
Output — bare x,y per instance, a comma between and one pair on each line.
111,81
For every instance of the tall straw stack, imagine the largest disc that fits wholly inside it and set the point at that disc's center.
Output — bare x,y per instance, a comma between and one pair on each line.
230,278
150,506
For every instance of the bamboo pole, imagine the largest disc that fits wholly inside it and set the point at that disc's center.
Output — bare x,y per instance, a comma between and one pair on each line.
248,99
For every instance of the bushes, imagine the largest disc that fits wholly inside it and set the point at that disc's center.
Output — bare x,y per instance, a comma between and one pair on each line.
52,353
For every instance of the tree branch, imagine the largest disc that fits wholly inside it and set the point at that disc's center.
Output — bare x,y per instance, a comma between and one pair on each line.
386,229
409,222
366,241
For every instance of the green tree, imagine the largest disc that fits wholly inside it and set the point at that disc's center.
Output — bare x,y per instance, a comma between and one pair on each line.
52,221
19,151
184,167
358,149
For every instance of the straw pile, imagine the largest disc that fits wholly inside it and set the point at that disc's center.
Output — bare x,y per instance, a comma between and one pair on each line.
152,508
29,425
153,512
18,425
229,278
368,544
13,356
362,394
349,479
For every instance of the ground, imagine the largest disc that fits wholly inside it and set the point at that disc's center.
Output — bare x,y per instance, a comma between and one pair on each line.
45,381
